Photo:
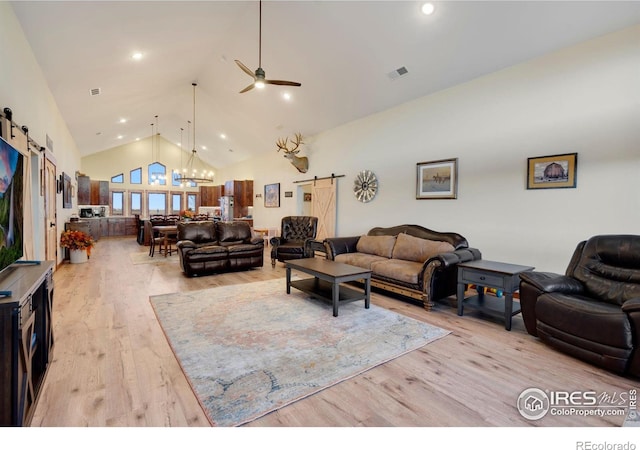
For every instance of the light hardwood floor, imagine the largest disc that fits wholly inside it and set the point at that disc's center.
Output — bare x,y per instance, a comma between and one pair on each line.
113,367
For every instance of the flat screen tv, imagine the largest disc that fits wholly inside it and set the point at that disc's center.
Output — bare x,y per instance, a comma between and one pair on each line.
11,204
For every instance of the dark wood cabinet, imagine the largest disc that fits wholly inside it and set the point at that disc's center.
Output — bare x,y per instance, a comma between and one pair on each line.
210,195
104,226
130,226
92,192
84,190
116,226
26,339
99,192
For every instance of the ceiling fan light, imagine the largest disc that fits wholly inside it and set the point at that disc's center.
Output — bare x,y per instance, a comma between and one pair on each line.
428,9
259,84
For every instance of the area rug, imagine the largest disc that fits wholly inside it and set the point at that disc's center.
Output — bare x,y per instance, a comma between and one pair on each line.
251,349
144,258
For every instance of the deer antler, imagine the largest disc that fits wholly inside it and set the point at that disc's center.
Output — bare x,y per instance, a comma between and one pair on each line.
282,144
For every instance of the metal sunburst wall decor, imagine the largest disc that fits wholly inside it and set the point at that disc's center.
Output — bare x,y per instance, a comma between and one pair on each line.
365,186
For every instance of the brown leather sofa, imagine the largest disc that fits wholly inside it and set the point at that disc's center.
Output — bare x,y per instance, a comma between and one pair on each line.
212,247
407,259
295,231
592,312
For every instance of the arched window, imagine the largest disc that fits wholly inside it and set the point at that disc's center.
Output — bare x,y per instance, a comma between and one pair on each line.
157,174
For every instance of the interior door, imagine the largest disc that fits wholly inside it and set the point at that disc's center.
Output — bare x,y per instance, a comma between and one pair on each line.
323,206
51,233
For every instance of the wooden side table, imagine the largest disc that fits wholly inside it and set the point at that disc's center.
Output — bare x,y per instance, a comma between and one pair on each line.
493,274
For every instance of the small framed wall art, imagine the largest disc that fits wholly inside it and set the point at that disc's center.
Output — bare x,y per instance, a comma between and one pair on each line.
272,195
437,179
67,201
552,172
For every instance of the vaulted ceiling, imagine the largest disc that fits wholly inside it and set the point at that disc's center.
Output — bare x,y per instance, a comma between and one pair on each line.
345,54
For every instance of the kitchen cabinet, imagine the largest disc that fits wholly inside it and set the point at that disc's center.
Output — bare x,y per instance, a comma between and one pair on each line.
210,195
116,226
84,190
99,192
92,192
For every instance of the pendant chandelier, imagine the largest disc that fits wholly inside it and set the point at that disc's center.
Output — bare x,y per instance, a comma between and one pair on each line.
194,171
156,178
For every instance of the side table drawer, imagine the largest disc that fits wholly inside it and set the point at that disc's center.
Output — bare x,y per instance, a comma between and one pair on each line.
482,278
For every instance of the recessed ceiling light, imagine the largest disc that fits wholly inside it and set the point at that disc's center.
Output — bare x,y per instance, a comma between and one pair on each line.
223,136
137,139
137,56
428,9
123,120
286,96
120,136
203,147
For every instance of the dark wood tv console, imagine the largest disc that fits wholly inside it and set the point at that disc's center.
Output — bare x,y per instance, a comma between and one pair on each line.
26,339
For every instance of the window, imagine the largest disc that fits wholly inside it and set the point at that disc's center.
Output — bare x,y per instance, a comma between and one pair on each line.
175,175
136,203
157,174
136,176
117,203
118,178
176,203
192,202
157,202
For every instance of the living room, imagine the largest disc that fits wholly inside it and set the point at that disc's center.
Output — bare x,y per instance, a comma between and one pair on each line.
580,99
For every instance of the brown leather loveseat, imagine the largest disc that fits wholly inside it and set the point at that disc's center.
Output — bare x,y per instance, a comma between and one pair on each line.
593,311
407,259
207,247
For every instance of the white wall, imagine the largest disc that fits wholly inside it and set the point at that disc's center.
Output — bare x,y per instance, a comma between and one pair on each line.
23,89
583,99
104,165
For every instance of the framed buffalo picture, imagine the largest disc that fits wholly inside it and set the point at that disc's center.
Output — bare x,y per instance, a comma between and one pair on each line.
552,172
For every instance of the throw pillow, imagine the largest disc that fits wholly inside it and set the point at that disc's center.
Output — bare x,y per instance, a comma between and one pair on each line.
376,245
412,248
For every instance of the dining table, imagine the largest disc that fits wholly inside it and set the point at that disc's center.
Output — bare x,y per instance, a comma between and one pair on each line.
166,232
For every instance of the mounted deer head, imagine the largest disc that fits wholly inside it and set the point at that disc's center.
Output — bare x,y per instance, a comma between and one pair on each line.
300,163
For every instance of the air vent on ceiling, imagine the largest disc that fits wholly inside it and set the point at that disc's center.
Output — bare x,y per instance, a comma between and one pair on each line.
398,73
95,91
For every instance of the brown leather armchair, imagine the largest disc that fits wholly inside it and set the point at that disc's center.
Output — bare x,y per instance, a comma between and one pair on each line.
593,311
295,231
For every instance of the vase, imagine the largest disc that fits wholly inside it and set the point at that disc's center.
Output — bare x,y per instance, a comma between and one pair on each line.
78,256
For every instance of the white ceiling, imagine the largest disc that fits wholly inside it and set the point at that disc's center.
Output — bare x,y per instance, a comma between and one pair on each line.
341,52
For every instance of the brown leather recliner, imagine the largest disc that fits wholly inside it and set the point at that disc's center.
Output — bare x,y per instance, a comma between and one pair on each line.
207,247
295,231
593,311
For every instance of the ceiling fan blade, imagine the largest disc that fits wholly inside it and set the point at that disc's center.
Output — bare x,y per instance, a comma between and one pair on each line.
245,69
283,83
248,88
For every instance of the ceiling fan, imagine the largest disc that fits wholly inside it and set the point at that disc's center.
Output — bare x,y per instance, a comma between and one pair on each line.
258,76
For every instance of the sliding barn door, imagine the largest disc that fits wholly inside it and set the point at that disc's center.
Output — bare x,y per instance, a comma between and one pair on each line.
323,206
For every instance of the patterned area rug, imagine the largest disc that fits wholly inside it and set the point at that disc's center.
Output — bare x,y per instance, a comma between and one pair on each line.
251,349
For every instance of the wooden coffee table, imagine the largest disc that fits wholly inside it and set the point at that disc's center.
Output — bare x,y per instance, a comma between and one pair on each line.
327,276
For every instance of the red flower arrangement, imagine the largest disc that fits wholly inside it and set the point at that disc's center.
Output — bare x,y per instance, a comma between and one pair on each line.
76,240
